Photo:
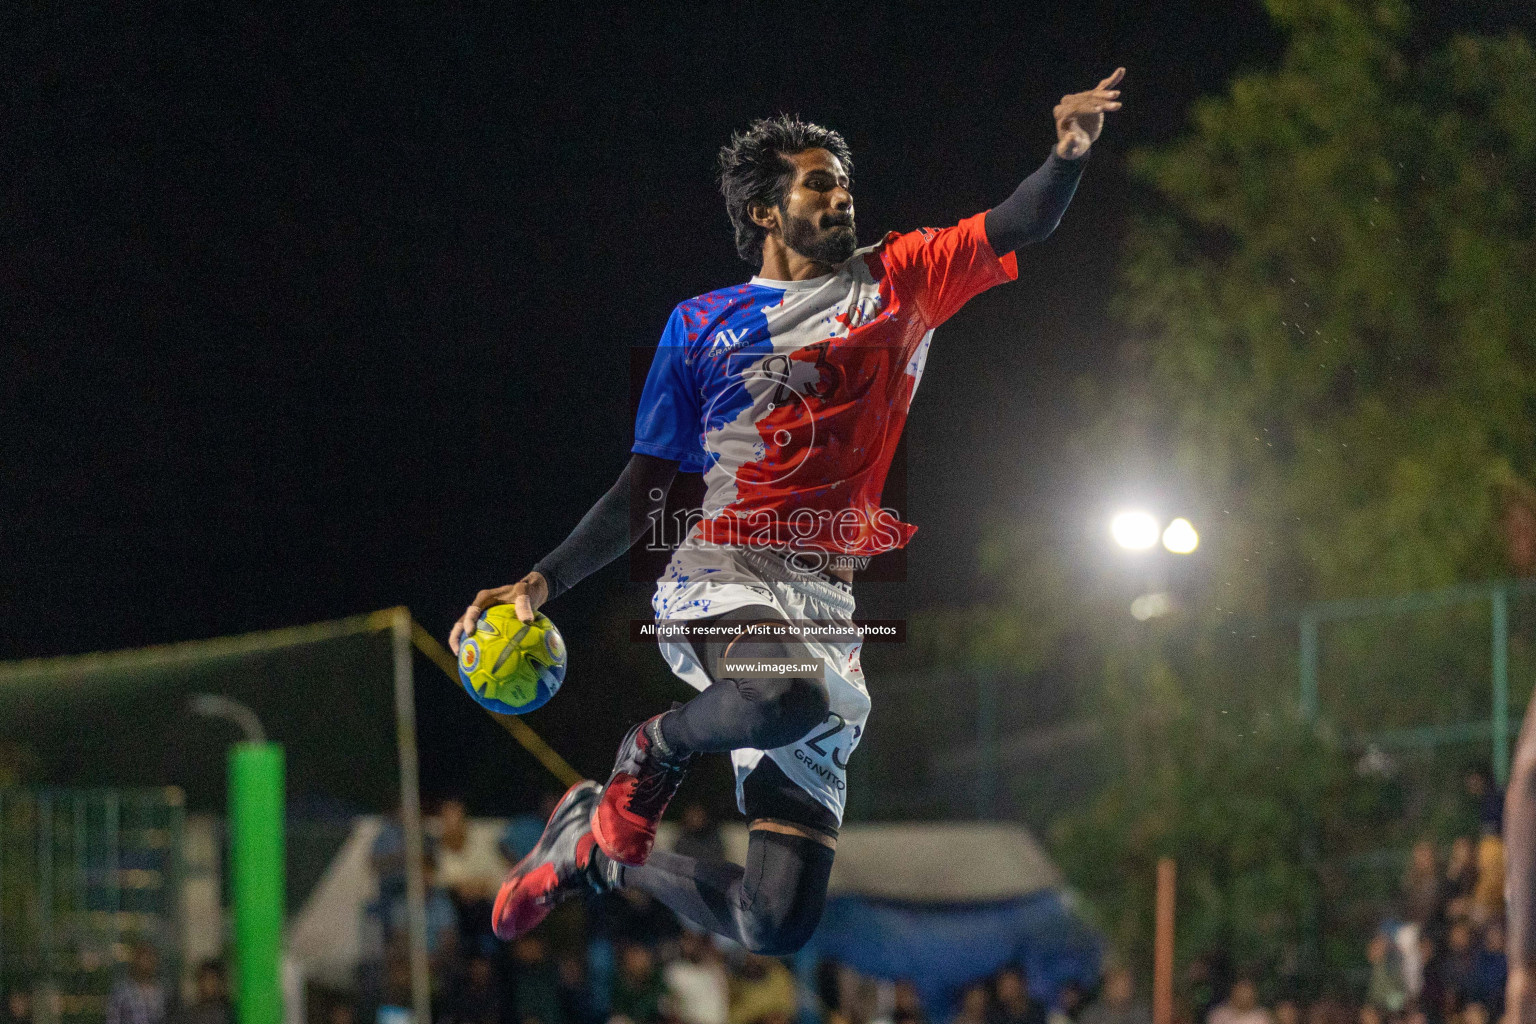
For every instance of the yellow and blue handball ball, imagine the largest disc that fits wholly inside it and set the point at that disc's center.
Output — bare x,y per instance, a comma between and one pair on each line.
510,666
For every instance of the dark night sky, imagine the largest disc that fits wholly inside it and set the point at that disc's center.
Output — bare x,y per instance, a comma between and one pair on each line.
308,314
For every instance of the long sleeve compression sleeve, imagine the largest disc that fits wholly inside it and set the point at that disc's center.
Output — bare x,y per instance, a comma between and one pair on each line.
618,519
1036,206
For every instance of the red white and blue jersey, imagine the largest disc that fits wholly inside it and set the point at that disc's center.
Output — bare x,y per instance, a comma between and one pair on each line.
790,396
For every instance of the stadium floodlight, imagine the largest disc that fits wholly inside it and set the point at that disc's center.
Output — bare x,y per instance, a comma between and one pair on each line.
1180,537
1134,531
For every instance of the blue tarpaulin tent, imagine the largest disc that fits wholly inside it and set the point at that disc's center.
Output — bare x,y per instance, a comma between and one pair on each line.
949,904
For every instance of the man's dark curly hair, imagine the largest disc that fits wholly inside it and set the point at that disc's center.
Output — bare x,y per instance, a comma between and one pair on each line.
754,168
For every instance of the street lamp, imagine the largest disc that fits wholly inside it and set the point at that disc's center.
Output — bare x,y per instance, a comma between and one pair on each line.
1137,530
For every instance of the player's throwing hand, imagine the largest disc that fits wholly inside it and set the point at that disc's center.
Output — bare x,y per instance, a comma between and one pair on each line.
526,594
1080,116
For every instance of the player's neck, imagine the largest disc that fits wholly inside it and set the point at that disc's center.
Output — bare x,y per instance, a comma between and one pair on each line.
781,263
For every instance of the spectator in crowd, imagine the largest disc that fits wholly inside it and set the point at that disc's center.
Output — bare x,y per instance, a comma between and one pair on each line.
1422,887
633,916
1117,1003
1386,990
698,990
210,1004
637,988
1487,799
762,991
535,983
1329,1010
388,856
1407,945
1370,1013
385,957
140,997
973,1006
340,1011
1488,896
475,999
471,868
1015,1005
575,992
18,1006
1490,971
906,1005
1458,964
1461,869
700,835
1287,1012
442,925
1474,1013
393,999
1241,1005
1207,978
1430,993
1069,1000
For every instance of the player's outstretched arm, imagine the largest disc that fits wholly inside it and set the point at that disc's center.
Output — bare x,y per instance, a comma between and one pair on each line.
1036,206
620,517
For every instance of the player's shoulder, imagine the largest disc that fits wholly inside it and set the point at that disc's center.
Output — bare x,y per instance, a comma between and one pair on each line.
694,319
723,301
917,236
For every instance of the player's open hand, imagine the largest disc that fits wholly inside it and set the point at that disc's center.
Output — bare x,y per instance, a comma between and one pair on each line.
1080,116
526,594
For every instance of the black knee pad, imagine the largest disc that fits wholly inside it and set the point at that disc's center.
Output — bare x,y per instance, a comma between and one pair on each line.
786,889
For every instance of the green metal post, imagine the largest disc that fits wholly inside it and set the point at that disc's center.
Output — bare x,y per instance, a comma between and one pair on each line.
1309,668
45,885
986,744
256,772
1501,686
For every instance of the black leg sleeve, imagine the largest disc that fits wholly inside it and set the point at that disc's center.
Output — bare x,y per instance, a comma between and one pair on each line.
770,907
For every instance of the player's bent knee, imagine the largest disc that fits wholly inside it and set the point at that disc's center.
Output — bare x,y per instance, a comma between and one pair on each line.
806,702
793,707
767,933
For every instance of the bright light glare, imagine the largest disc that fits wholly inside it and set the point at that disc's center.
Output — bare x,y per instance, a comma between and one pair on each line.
1134,530
1150,606
1180,537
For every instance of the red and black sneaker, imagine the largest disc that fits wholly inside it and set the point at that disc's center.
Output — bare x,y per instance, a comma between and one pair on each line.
644,779
559,866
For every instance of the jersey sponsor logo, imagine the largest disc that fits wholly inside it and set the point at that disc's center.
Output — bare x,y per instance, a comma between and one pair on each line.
730,337
827,775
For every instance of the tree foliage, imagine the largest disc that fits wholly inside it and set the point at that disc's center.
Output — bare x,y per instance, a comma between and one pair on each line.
1334,303
1329,300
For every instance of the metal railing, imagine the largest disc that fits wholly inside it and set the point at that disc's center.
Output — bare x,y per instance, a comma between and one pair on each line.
84,874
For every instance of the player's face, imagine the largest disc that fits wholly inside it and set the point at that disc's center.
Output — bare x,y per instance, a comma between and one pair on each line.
817,212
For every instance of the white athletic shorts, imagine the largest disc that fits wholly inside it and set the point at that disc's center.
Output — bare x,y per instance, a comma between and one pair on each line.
706,579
